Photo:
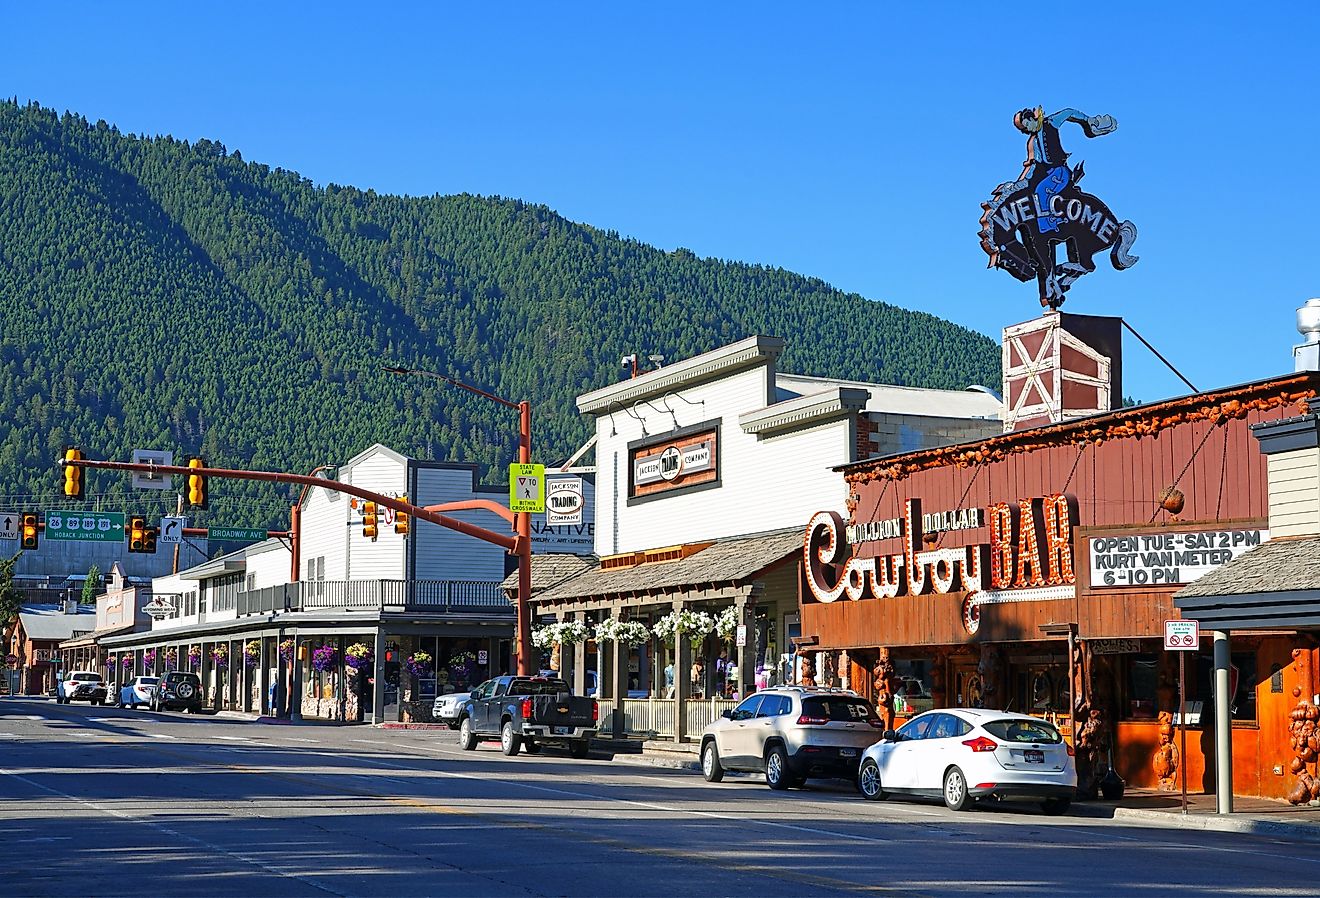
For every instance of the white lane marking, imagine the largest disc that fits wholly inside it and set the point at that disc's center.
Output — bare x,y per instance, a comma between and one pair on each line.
367,741
42,839
297,739
83,734
159,736
105,720
174,834
235,738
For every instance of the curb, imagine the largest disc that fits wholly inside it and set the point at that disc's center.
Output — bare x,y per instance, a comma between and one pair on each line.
411,726
1231,823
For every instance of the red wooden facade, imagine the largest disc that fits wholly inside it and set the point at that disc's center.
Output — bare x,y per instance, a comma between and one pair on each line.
1118,467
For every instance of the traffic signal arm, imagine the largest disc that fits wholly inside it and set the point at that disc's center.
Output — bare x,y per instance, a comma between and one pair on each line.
507,541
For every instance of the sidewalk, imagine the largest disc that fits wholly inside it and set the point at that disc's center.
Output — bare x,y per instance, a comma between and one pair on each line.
1257,816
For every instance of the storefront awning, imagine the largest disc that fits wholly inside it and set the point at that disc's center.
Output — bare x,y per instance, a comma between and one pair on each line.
721,564
1275,586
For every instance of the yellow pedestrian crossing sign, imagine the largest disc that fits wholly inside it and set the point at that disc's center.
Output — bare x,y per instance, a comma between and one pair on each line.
527,488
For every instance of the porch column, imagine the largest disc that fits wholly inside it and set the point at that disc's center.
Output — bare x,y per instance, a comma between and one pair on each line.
378,679
1223,726
619,667
682,681
567,657
579,668
747,652
263,665
295,679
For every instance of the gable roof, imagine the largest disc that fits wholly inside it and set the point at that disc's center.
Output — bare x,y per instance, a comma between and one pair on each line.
50,621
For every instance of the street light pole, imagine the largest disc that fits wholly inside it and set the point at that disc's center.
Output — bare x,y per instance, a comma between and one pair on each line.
522,522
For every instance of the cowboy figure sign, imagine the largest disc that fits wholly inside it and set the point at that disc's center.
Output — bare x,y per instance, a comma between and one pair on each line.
1026,220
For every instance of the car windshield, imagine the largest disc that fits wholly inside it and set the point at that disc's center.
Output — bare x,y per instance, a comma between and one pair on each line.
87,677
837,708
148,681
1023,730
538,687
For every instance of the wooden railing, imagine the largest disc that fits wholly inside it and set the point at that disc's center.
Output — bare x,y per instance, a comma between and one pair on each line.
446,596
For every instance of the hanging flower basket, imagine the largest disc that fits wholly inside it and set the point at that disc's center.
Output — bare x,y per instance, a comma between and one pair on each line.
220,656
461,663
149,659
695,626
286,650
358,656
420,664
126,662
252,653
628,632
566,632
727,623
171,659
325,658
194,657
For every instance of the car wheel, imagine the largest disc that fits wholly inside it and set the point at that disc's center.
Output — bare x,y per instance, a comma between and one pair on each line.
1055,806
579,748
531,746
868,781
776,769
466,737
510,742
711,768
955,790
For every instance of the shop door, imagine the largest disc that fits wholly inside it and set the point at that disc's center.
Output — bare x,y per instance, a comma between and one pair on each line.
966,684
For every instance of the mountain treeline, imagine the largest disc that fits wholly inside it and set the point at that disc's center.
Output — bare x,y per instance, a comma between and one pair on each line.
163,294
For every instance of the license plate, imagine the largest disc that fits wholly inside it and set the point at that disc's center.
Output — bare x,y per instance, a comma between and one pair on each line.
1033,756
847,752
564,731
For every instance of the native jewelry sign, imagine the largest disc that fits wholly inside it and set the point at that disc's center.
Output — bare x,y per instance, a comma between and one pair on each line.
1026,221
1166,559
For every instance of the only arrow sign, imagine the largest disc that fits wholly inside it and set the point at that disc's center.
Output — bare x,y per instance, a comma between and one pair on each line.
171,530
10,530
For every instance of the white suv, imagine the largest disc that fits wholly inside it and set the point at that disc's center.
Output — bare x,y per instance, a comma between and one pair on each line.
791,733
81,686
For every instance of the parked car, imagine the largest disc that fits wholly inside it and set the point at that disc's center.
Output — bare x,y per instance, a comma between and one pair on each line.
178,691
449,707
966,754
791,733
80,686
137,692
528,712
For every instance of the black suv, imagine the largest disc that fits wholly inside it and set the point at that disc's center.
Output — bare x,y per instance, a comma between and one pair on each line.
178,691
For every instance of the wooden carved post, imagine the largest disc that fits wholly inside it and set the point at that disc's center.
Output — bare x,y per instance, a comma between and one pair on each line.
1166,758
938,680
990,669
1304,734
883,679
808,677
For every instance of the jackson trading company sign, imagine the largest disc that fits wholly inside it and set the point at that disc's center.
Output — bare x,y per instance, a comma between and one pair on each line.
1028,558
1026,220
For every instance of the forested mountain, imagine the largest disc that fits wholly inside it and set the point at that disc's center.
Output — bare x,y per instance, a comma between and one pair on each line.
161,294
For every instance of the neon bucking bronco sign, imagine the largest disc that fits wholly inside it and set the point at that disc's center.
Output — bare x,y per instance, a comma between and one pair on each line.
1027,220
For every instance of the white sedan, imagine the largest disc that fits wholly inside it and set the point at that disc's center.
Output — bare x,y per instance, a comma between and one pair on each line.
137,691
965,754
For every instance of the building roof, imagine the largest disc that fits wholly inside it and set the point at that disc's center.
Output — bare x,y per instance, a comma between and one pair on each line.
900,400
50,621
1276,565
551,569
726,561
91,638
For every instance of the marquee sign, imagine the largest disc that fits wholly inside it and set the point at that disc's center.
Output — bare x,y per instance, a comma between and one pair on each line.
1026,220
682,459
1028,558
1166,559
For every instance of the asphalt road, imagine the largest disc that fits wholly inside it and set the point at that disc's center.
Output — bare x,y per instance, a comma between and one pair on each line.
98,801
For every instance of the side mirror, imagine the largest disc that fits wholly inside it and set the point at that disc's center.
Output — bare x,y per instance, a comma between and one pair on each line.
889,736
727,715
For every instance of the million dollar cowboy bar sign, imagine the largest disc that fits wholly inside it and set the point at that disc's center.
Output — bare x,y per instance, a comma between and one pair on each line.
1029,556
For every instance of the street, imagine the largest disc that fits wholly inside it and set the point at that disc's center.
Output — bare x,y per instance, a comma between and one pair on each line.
99,801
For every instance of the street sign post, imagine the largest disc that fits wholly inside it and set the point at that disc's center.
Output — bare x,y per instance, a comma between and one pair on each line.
171,530
527,488
1182,636
94,526
9,521
238,534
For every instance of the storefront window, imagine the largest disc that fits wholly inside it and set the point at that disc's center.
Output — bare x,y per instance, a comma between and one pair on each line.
1141,701
1242,680
912,695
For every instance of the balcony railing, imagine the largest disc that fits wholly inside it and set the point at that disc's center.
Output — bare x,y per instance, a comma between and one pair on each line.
444,596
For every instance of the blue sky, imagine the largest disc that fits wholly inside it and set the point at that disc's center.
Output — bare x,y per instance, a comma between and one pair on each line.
852,143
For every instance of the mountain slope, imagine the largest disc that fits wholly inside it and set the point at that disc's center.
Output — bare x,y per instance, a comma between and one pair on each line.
155,293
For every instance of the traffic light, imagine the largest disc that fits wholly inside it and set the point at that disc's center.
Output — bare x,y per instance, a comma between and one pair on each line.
149,539
31,530
369,520
197,482
137,534
73,485
401,519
